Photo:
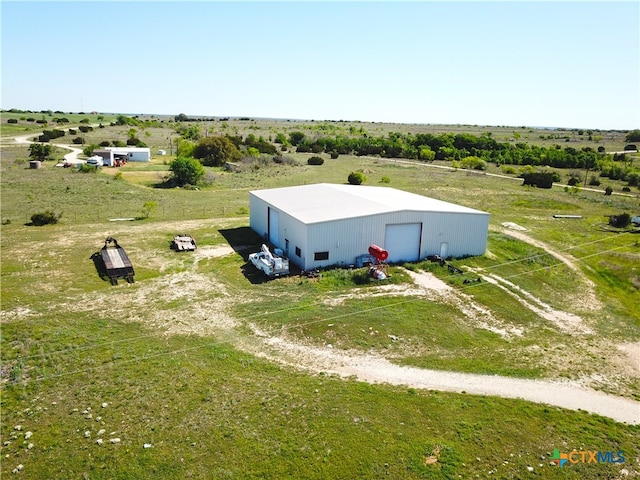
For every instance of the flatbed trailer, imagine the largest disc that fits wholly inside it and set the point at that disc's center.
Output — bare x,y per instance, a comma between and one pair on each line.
116,261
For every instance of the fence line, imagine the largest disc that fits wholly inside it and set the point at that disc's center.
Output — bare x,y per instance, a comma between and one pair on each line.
161,213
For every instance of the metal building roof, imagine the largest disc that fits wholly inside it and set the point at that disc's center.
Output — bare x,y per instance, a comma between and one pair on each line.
323,202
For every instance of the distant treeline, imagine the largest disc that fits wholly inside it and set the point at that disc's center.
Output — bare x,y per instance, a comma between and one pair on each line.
457,147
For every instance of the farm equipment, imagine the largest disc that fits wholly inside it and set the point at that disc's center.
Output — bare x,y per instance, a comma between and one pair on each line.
271,265
116,261
378,269
184,243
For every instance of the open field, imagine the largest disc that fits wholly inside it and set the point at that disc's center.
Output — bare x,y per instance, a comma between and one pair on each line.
203,370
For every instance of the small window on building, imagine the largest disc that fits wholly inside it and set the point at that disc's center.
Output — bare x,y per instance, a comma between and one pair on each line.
298,252
321,256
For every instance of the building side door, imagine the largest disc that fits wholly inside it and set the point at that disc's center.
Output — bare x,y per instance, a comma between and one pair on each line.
274,224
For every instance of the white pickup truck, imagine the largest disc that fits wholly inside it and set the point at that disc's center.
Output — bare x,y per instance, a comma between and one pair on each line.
271,265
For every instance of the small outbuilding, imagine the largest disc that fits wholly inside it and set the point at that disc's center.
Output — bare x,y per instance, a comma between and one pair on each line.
111,155
324,224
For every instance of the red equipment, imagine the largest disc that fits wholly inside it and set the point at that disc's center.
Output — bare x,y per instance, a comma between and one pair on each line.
380,254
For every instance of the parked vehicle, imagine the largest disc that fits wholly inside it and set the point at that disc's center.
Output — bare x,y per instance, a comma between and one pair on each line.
95,161
184,242
271,265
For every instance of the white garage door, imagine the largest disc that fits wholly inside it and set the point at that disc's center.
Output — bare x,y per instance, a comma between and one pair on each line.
402,241
274,224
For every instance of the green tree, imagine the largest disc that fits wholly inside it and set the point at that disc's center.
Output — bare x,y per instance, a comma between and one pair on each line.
40,151
184,148
88,150
425,153
186,171
216,151
633,136
253,152
191,132
281,138
473,162
295,138
148,207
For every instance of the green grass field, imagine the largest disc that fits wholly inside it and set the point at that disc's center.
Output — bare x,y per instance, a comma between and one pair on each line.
169,356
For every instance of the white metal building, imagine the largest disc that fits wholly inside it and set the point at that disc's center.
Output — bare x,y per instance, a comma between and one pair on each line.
325,224
131,154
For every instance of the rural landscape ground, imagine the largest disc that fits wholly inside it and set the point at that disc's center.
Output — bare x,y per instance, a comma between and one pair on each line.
202,369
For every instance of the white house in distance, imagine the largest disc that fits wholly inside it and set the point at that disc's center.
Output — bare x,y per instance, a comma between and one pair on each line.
326,224
131,154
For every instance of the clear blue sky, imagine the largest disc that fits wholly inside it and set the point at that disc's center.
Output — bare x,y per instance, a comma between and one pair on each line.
570,64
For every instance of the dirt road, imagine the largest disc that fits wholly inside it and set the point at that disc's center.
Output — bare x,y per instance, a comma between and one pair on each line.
68,158
374,369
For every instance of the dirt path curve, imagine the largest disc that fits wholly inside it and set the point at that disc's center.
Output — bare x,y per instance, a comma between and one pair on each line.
69,157
374,369
590,299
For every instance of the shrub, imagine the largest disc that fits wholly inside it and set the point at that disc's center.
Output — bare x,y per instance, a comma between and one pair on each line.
334,155
84,168
253,152
620,221
284,160
304,148
539,179
475,163
508,170
85,128
315,160
593,180
356,178
630,147
573,181
50,135
633,179
45,218
295,138
78,141
105,143
12,120
626,189
608,191
385,180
